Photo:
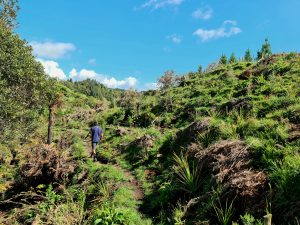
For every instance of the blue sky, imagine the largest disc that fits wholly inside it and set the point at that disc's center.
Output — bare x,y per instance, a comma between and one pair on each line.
130,43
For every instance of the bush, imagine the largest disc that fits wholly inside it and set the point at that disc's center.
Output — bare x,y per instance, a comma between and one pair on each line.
248,219
188,174
116,116
109,215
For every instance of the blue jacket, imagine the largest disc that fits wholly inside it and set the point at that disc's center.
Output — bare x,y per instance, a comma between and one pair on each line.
96,133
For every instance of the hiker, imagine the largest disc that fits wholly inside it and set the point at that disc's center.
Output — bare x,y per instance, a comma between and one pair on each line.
96,134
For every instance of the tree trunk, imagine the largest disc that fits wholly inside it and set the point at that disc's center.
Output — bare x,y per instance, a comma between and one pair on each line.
50,124
268,219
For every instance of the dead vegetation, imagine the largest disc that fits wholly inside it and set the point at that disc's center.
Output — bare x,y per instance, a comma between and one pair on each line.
144,142
82,114
45,164
190,133
236,104
65,141
230,163
294,132
121,131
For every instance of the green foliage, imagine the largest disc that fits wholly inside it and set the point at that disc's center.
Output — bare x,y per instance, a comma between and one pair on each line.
200,69
52,198
248,219
224,213
22,84
116,116
167,80
188,174
256,102
178,214
92,88
248,57
223,60
265,50
78,148
232,58
8,12
109,215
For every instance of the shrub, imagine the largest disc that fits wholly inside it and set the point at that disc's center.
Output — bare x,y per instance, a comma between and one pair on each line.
248,219
109,215
224,215
188,174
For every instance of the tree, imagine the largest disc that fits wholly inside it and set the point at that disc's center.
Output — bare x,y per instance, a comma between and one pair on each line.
200,69
129,101
223,59
248,57
212,66
232,58
265,51
54,102
167,80
8,12
22,85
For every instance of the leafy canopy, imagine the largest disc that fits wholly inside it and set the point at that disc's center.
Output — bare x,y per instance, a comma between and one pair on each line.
8,12
22,83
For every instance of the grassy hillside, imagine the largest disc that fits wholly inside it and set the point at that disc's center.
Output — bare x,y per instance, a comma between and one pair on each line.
235,129
211,147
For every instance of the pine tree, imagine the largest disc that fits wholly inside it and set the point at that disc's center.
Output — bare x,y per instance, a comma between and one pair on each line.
265,51
200,69
248,57
232,58
223,59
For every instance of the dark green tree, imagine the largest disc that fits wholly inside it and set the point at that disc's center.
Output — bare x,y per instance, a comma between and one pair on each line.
54,101
129,101
248,57
265,51
232,58
200,69
22,85
8,12
223,59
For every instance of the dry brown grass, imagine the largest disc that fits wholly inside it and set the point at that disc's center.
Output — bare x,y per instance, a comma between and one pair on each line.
230,163
43,163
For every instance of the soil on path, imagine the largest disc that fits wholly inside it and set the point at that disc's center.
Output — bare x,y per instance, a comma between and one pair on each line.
131,181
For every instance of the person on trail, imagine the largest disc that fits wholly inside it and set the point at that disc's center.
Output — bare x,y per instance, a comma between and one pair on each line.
96,134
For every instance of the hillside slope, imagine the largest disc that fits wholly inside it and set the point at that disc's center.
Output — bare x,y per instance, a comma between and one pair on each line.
229,135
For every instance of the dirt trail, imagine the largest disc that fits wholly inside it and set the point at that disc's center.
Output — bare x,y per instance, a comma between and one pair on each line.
131,182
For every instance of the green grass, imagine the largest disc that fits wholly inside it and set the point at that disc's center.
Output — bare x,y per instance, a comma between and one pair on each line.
272,94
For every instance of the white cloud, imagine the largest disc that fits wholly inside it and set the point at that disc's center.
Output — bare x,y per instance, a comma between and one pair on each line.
203,13
156,4
228,29
175,38
82,74
52,69
128,82
92,62
108,81
232,22
151,86
53,50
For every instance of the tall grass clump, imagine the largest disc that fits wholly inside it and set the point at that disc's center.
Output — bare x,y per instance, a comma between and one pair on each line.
224,214
187,173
